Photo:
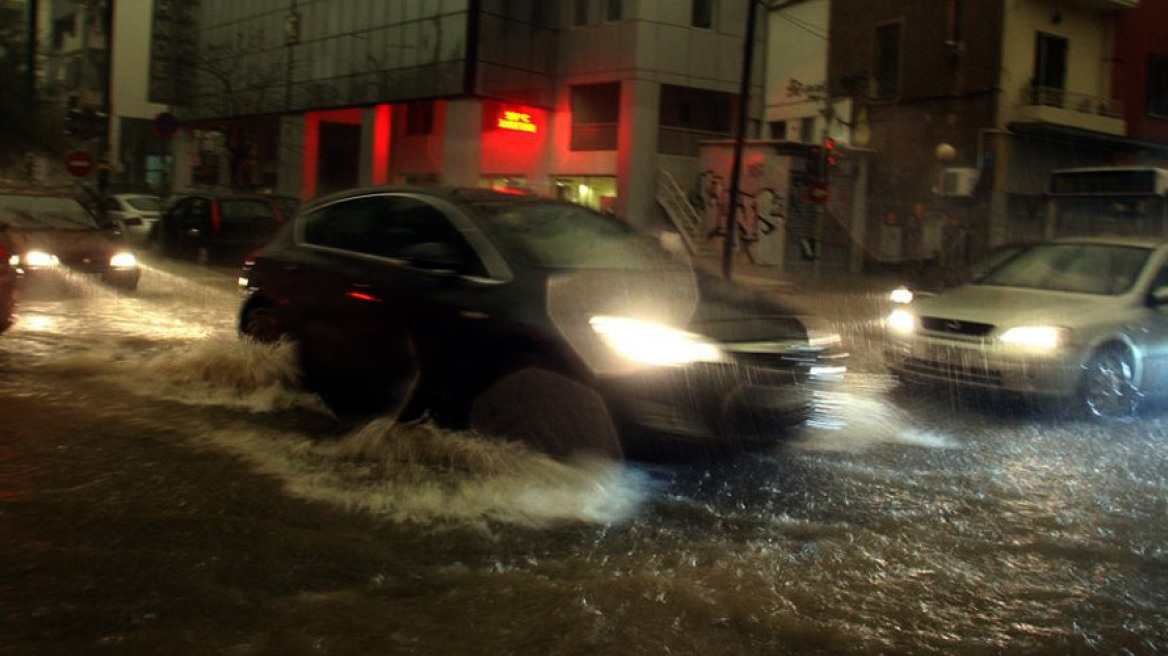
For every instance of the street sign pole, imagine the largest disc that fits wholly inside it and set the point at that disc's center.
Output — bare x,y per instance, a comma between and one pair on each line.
104,148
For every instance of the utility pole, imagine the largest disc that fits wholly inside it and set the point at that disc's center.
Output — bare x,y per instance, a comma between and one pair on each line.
105,134
739,138
32,8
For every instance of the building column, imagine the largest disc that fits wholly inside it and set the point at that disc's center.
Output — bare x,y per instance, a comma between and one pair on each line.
184,150
289,175
636,168
463,143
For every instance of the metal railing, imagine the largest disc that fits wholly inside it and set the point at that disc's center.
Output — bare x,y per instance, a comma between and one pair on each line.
683,214
1073,101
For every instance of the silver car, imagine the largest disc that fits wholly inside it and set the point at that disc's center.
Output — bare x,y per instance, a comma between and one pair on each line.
1078,319
135,215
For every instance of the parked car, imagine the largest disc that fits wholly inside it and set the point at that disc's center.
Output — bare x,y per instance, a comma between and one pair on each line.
480,308
1082,320
214,227
43,231
135,215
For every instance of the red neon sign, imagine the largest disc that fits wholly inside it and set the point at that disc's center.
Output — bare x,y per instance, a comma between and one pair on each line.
520,121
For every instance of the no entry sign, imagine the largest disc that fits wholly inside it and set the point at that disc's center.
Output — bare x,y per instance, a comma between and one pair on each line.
79,163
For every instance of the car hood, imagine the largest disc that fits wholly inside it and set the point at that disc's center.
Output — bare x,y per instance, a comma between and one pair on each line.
1013,305
63,242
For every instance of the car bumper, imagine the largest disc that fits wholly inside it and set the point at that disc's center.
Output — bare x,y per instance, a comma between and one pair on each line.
715,404
988,367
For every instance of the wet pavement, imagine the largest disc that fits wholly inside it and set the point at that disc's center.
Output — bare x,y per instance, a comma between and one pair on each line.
167,489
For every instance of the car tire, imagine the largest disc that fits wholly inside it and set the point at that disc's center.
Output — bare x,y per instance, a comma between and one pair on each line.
1107,389
260,323
549,410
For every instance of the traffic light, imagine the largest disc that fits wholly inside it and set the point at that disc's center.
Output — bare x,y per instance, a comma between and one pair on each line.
831,155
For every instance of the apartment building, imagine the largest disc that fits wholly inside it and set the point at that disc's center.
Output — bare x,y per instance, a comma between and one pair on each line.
971,105
586,100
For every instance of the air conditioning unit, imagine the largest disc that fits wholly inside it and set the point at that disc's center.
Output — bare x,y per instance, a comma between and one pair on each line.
958,182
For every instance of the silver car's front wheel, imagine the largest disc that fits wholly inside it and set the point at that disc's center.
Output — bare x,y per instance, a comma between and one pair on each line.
1108,388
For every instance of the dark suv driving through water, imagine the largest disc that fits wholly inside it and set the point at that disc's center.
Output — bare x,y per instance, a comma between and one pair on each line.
531,318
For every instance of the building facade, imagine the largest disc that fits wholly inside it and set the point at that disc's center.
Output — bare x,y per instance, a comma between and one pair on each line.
970,106
586,100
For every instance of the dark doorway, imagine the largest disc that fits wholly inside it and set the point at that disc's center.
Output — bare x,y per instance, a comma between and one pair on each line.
340,157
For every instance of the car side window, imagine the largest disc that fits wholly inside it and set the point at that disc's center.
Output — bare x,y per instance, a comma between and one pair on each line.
397,227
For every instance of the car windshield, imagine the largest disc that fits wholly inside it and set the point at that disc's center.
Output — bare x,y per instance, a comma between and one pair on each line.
144,203
31,212
1081,268
565,236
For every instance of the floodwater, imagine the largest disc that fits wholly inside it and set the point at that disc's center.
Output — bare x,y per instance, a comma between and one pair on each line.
891,525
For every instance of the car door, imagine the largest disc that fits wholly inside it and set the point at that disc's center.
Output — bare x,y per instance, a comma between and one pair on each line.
385,287
192,225
352,336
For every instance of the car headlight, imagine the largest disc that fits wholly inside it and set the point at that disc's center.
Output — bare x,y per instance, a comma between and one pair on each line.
653,343
39,260
902,321
1036,337
901,296
123,261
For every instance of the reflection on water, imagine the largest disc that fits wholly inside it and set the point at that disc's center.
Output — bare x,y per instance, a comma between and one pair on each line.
893,528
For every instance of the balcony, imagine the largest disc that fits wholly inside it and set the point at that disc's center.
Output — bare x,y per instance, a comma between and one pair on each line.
1068,108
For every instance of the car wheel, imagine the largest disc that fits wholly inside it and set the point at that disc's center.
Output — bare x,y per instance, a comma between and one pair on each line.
549,410
261,324
1108,389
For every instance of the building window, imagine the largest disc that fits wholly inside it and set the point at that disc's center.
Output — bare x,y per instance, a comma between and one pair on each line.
1050,69
689,116
702,14
807,130
778,129
420,117
595,116
886,80
613,10
580,12
1158,85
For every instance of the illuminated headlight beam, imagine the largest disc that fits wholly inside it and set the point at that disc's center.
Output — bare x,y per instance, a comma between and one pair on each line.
653,343
902,321
1036,337
40,260
123,260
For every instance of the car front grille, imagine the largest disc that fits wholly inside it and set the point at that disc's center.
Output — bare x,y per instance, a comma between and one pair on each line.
86,262
955,327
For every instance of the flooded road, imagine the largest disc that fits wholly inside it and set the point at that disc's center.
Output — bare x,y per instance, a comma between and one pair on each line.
167,488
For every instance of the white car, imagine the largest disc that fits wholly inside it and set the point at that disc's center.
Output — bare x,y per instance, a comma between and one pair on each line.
1078,319
135,215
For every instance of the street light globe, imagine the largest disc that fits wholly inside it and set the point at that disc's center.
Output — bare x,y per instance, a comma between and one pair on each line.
946,152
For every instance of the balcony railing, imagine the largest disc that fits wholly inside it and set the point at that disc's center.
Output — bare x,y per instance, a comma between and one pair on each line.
1075,102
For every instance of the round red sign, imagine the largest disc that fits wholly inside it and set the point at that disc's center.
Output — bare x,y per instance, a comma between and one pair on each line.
79,163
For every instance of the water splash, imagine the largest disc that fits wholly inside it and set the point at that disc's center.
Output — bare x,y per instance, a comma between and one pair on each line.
419,473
